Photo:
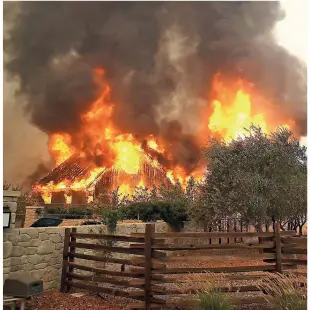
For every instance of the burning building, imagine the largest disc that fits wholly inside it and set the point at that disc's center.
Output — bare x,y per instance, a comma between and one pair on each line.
76,181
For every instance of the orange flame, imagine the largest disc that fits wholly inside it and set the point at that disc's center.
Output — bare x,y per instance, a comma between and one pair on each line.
234,110
59,147
234,106
128,155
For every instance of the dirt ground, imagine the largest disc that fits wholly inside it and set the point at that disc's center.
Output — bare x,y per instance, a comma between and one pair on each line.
54,300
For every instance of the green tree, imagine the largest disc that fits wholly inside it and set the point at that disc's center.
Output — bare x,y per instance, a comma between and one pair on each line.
260,177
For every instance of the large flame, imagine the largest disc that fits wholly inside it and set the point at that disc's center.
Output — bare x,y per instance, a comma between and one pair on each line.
234,107
128,155
59,147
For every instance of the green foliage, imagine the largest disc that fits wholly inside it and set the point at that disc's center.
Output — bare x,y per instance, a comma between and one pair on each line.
290,302
109,217
172,213
167,203
259,177
69,213
213,300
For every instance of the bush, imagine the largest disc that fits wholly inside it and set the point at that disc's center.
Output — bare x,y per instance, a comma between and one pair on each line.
78,212
212,300
286,291
69,213
110,218
172,213
206,285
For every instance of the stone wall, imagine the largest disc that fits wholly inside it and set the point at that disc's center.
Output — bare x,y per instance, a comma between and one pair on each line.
38,251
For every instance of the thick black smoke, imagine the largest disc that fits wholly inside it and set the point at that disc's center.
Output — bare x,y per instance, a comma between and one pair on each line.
153,52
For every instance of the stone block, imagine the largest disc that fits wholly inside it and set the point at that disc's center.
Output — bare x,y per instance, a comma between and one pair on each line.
32,232
27,268
38,274
6,237
56,238
13,237
46,247
16,261
53,230
18,251
35,242
25,259
36,259
55,261
16,268
7,249
59,246
13,218
6,270
46,258
43,236
31,250
24,238
56,253
40,266
50,275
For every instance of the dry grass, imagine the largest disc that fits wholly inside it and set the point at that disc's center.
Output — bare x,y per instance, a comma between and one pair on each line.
206,281
207,295
288,292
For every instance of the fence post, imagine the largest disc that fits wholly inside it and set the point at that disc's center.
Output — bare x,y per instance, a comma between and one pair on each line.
148,239
228,230
278,248
71,258
65,260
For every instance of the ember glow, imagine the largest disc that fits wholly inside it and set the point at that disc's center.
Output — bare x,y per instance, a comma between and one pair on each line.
234,107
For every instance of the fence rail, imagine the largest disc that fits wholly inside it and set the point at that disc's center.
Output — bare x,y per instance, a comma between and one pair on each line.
140,266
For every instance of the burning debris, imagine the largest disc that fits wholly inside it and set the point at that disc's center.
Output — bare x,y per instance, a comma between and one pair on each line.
124,107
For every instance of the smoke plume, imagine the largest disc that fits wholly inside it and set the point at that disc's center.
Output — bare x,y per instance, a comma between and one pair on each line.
160,58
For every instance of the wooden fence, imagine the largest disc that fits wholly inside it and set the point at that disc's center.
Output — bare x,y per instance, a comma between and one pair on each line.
142,267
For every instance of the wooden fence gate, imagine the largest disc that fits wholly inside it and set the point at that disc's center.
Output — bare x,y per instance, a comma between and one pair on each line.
142,266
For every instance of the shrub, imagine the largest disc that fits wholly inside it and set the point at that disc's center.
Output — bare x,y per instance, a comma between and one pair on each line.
69,213
56,211
78,212
286,292
172,213
212,300
110,218
206,288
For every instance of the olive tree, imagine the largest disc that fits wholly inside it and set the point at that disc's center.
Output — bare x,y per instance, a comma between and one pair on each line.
260,177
